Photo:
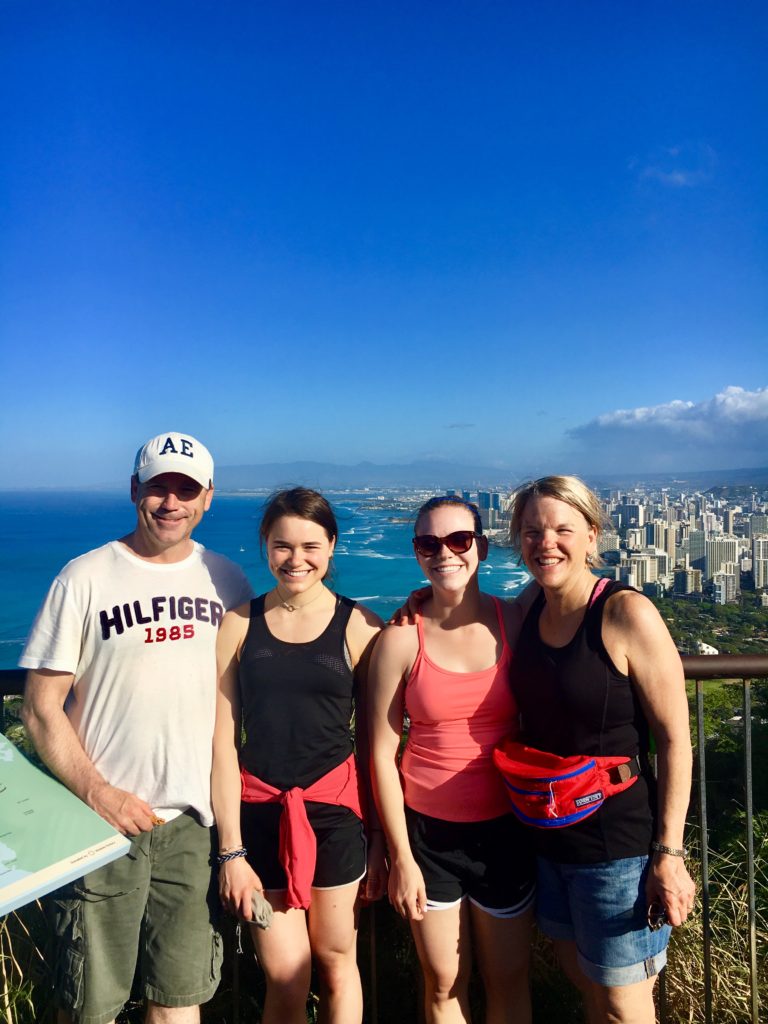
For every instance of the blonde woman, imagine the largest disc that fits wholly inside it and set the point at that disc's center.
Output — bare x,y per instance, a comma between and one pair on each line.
595,670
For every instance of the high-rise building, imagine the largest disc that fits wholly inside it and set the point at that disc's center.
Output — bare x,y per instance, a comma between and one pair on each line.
644,569
724,588
654,534
607,542
760,562
632,514
719,550
670,543
687,581
635,538
758,524
697,549
710,524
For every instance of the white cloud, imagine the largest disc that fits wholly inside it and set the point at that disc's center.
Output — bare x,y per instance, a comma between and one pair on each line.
683,166
730,428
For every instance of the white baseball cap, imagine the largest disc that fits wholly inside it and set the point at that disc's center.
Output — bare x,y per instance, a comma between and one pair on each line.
174,453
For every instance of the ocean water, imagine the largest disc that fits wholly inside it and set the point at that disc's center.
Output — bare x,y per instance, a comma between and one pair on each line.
374,562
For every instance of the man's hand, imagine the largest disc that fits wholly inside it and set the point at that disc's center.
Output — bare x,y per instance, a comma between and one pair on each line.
122,810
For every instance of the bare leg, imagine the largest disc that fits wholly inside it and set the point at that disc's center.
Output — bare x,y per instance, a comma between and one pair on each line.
333,938
503,947
157,1014
624,1004
283,952
617,1004
443,944
568,960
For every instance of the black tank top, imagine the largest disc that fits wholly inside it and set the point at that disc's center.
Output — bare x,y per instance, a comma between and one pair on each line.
296,701
573,700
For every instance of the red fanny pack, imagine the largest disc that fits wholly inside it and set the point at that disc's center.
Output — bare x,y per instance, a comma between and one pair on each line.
548,791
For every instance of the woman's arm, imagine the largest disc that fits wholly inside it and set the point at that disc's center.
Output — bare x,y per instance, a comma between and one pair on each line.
391,662
635,636
362,630
237,880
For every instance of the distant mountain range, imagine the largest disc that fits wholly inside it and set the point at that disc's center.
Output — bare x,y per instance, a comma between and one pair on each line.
430,475
434,475
438,475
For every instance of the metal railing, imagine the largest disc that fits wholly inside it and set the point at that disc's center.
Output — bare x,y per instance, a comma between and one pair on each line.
699,669
747,668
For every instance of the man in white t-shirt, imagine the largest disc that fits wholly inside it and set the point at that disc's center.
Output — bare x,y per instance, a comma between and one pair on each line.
120,703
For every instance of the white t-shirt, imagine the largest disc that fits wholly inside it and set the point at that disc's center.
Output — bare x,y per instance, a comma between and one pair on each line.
140,640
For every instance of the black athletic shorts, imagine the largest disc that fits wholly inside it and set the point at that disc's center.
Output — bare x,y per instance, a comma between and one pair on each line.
340,843
491,862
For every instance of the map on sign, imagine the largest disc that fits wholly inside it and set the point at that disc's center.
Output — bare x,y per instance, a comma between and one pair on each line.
48,837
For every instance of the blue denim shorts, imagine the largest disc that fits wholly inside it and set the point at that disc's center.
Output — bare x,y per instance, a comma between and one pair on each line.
603,909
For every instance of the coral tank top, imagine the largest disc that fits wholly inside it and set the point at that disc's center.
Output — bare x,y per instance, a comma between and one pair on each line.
456,719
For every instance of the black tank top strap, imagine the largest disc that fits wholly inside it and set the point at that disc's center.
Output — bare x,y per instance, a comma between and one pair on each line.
256,626
340,621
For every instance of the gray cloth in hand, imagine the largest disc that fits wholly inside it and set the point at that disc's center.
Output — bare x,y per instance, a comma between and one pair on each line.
261,910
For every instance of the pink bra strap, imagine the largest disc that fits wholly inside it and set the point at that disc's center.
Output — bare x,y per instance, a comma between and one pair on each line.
600,586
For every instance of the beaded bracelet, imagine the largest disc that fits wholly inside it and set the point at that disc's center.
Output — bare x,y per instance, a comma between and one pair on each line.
222,858
671,850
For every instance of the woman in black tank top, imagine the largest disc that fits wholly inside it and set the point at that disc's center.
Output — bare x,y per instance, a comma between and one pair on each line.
291,664
591,675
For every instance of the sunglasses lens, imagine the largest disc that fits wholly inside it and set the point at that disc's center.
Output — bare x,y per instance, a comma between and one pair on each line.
657,916
459,542
427,545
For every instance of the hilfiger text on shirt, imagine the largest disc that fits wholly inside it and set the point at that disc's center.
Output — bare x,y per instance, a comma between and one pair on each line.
169,608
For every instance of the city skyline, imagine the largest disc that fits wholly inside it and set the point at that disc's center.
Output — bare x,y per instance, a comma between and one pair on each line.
524,238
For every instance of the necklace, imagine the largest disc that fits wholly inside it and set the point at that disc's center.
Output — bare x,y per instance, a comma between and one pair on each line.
291,606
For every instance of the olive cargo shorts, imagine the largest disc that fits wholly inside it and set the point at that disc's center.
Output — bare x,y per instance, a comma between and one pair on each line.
155,906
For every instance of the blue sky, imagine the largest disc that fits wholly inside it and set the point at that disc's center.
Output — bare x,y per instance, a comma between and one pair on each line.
530,235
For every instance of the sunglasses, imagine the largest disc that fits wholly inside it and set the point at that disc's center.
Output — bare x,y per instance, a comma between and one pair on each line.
427,544
657,916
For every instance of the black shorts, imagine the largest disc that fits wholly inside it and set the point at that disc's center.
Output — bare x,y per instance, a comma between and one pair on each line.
340,843
491,862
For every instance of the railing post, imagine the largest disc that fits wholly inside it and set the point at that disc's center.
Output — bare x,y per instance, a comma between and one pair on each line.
750,848
701,744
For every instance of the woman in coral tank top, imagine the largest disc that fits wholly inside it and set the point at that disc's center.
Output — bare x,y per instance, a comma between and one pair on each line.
461,871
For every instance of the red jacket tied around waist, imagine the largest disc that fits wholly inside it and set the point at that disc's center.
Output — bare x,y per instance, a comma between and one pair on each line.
298,846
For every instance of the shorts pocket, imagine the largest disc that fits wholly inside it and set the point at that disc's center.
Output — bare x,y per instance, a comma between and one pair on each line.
217,954
68,956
